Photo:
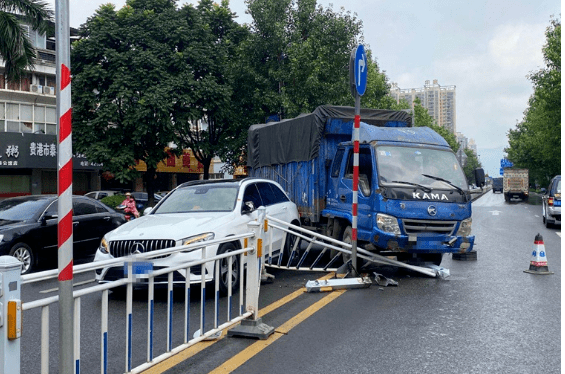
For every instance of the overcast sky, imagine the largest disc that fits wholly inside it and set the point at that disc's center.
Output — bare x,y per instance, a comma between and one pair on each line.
485,48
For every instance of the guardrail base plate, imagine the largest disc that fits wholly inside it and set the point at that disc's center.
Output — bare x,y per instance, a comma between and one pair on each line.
252,329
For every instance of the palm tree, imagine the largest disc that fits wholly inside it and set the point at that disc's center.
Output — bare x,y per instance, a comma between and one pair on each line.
15,47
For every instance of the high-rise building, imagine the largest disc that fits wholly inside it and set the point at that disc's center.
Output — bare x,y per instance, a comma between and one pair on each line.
439,100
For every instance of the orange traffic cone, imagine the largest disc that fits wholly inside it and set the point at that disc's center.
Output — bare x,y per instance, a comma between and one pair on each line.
538,264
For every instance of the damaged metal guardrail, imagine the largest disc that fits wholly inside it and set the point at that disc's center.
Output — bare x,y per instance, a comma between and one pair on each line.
310,259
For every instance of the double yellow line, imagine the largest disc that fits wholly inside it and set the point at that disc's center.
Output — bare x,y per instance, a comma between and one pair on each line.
242,357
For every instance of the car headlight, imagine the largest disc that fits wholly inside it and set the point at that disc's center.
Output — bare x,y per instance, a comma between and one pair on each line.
465,227
197,238
388,224
104,247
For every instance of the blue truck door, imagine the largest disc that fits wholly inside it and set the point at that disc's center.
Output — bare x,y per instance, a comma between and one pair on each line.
334,179
364,197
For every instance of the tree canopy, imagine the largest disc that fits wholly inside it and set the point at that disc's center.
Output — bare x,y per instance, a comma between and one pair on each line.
16,49
535,143
129,69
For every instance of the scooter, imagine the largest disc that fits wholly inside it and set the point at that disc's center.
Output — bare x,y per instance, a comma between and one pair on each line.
129,216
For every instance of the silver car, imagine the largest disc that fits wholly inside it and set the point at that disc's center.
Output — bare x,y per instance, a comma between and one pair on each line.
197,212
551,203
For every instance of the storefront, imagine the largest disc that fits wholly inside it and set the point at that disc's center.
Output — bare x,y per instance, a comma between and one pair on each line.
28,166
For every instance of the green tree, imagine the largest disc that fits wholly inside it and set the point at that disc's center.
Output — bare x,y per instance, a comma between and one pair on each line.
211,122
16,49
128,70
535,143
299,52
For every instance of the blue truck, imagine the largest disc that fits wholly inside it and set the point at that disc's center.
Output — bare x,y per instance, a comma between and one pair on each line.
497,185
413,201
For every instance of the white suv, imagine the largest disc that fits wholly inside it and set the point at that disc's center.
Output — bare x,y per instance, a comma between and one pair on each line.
196,212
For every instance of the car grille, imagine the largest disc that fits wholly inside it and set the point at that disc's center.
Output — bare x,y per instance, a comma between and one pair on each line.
121,248
416,226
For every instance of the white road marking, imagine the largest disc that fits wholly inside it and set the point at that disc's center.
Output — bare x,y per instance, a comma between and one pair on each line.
558,233
495,212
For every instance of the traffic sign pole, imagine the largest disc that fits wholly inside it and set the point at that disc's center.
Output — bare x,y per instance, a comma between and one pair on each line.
359,78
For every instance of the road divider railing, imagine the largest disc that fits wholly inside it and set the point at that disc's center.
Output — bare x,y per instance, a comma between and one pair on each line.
136,268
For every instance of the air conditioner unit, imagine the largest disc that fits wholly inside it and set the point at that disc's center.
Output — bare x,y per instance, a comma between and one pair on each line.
49,90
36,88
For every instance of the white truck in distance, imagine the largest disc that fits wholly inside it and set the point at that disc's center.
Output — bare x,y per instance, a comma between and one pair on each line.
515,184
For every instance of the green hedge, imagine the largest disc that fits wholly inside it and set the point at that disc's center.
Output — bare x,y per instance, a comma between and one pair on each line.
113,201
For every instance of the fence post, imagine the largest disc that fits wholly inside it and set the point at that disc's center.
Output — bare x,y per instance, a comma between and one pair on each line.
254,327
10,314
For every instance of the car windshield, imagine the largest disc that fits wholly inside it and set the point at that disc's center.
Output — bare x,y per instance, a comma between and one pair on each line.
199,198
431,168
20,210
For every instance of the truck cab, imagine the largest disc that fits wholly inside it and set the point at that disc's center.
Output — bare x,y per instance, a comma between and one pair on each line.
412,197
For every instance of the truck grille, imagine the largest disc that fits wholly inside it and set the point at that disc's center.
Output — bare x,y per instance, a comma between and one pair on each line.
121,248
418,226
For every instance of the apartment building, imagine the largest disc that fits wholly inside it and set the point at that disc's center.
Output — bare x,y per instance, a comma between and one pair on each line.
28,130
439,100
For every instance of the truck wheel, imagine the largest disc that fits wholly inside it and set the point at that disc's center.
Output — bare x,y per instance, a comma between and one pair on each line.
23,253
224,267
347,237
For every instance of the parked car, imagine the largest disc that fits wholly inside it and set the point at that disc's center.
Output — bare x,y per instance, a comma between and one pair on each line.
199,211
99,195
551,203
142,199
28,228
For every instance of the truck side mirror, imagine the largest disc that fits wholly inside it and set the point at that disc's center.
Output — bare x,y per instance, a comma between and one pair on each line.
480,177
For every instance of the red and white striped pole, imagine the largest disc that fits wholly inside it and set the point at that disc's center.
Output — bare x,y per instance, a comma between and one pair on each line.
64,189
354,205
358,83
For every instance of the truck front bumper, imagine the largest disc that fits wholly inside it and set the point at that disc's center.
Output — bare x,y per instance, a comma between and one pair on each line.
424,244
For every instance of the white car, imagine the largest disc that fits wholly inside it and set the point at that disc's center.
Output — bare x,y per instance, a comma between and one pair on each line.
196,212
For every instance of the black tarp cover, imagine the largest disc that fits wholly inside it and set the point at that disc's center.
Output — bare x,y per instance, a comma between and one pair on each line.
298,139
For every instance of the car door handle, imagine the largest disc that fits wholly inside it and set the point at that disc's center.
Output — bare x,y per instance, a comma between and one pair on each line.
342,198
75,223
106,218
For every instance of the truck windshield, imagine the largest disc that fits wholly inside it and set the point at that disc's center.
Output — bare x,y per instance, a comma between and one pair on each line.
420,166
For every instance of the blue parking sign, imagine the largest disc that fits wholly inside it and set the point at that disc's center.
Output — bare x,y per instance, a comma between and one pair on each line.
360,70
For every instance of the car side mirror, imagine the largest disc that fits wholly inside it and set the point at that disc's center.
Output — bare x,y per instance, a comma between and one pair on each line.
48,217
248,207
479,177
147,210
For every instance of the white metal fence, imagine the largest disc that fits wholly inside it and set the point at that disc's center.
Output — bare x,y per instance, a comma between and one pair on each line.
10,290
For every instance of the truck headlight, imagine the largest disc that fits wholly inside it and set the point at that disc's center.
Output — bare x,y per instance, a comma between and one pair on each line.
465,227
104,247
388,223
197,238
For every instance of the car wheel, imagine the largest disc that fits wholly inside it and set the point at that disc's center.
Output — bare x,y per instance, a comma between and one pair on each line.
546,220
23,253
224,269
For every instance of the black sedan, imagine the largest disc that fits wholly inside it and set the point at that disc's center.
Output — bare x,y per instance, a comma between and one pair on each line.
28,229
